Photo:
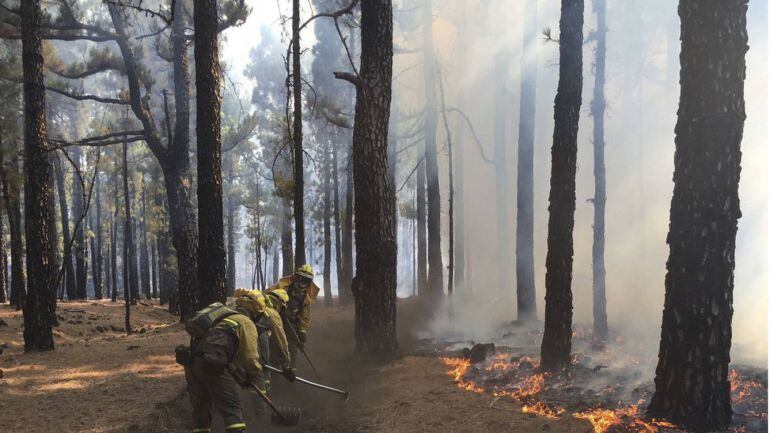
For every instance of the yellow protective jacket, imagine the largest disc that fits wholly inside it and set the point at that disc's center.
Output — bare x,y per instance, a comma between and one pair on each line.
247,357
303,315
278,335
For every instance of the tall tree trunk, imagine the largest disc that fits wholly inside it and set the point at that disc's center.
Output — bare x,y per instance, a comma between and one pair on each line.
97,262
144,257
422,236
3,270
12,197
557,335
347,237
128,236
526,300
114,234
107,269
692,388
40,301
435,266
450,166
276,275
92,249
211,242
336,214
129,270
600,183
327,204
287,255
459,168
502,202
299,181
231,245
374,286
79,215
69,270
155,273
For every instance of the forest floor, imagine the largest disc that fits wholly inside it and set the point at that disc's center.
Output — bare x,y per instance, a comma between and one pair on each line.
100,380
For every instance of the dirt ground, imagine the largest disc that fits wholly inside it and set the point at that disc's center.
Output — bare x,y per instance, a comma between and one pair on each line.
100,380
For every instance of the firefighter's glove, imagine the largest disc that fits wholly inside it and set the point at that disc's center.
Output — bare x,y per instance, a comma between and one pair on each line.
289,374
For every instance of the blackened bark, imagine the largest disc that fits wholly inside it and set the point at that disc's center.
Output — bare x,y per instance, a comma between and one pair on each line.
144,257
174,158
231,245
69,269
287,254
526,300
275,261
92,250
692,388
299,176
79,211
347,237
114,221
154,274
422,236
435,266
557,335
374,286
327,205
97,227
3,270
336,217
598,106
211,241
12,197
129,270
40,301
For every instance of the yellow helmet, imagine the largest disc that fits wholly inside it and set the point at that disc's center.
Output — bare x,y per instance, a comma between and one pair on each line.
251,300
305,271
278,296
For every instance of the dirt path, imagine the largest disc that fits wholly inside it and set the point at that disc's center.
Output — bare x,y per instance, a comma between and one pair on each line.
109,382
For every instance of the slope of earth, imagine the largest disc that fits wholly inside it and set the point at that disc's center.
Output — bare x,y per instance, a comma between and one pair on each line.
98,379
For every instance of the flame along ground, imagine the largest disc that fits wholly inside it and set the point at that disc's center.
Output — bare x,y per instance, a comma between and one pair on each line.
526,389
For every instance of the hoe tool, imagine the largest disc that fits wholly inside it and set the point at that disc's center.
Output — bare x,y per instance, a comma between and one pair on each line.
345,394
285,416
301,347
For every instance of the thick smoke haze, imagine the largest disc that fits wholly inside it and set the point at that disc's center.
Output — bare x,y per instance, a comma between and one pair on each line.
642,95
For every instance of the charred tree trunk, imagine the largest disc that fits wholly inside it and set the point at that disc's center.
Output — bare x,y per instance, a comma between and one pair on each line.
347,237
114,234
557,335
40,301
526,300
129,270
374,286
211,241
154,274
598,106
144,259
276,276
12,198
299,181
287,253
692,388
435,266
128,236
327,204
3,270
336,213
69,270
79,214
92,250
174,159
97,225
231,245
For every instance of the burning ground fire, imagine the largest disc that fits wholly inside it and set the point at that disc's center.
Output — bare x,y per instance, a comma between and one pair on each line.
503,375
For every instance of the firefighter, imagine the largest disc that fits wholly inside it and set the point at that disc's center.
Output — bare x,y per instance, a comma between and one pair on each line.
222,354
302,291
265,311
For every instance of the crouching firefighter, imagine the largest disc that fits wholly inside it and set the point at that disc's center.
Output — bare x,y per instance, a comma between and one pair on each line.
222,354
265,311
302,291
